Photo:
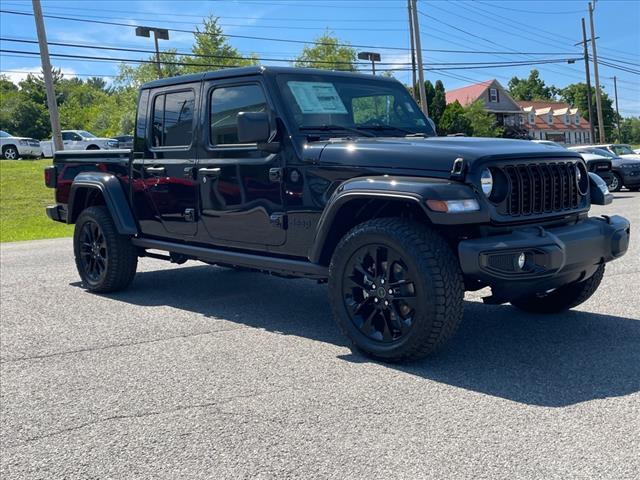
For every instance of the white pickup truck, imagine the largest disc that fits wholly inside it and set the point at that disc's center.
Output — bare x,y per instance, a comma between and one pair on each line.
13,148
79,140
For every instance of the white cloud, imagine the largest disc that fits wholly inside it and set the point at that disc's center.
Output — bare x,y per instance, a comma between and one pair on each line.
17,74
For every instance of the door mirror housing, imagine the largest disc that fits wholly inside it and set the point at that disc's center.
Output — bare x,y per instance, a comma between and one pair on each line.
253,127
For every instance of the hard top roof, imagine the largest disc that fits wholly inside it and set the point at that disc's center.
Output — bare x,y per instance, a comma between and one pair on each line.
255,70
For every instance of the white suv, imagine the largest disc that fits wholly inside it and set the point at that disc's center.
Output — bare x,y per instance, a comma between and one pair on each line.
13,148
79,140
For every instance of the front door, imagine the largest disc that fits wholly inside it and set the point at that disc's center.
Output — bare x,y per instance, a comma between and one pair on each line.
241,197
168,174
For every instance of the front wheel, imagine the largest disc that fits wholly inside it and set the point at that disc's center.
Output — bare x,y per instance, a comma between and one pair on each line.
106,260
10,153
563,298
615,184
396,289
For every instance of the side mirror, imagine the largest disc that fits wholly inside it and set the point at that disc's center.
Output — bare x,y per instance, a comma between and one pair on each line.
253,127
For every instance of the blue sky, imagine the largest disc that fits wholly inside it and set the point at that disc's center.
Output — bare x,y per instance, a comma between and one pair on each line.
480,25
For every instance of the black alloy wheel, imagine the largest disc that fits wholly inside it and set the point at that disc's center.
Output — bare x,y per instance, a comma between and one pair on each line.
93,251
379,293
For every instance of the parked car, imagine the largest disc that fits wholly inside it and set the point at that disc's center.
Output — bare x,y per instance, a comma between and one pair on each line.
637,150
13,148
625,171
79,140
125,141
304,173
622,150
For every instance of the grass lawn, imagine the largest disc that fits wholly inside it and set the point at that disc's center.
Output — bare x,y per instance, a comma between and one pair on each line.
23,198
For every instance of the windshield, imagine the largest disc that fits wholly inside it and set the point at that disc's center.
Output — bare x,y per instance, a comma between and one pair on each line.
85,134
4,134
352,105
603,152
622,150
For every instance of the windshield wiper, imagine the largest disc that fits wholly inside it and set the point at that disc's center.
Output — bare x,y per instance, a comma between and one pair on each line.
328,127
391,127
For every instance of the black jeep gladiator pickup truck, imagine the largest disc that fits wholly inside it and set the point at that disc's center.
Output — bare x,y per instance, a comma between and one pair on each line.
338,177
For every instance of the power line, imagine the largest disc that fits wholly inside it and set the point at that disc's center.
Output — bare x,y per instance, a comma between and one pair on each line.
70,74
529,12
304,42
447,66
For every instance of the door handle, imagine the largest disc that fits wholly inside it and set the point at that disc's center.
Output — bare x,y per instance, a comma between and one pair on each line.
209,171
155,169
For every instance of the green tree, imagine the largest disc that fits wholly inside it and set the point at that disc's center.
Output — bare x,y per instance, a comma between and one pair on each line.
630,130
532,88
576,95
329,53
212,48
482,123
454,120
439,102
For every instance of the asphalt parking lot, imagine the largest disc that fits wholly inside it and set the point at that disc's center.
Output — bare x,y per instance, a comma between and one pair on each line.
203,372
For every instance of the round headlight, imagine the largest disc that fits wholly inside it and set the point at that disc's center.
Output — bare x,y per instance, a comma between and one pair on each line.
486,181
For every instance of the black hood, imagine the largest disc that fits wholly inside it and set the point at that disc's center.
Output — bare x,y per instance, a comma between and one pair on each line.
433,153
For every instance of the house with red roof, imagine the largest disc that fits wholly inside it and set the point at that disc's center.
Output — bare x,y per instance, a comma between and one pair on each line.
540,120
496,100
556,121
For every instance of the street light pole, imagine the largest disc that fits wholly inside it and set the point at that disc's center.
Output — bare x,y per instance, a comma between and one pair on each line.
158,34
56,135
601,133
372,56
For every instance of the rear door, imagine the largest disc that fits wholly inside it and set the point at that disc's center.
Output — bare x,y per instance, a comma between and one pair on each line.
241,194
167,172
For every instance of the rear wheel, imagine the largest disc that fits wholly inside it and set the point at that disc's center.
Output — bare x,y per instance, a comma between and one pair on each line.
106,260
615,184
563,298
395,289
10,153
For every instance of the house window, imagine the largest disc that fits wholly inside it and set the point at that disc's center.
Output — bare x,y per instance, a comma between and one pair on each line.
521,119
550,118
577,119
493,95
567,119
532,118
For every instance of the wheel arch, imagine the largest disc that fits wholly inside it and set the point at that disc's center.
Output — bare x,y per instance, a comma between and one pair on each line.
361,199
97,188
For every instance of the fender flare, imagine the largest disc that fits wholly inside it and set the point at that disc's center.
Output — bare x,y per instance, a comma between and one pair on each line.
114,197
412,189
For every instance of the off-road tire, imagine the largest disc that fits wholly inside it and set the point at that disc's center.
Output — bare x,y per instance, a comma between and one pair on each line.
616,183
439,287
563,298
10,153
122,257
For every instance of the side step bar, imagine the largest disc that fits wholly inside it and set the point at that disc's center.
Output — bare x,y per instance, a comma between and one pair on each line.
282,266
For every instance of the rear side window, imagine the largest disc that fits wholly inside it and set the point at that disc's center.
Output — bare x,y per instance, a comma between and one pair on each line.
173,119
226,103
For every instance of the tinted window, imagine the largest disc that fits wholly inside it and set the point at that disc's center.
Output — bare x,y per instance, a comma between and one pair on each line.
173,119
226,103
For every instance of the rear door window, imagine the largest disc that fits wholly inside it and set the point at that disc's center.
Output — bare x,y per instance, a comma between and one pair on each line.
173,119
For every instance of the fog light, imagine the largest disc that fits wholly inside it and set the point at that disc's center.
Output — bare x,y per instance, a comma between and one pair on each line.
522,259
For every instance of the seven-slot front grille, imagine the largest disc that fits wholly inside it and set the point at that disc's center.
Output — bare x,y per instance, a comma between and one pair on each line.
541,188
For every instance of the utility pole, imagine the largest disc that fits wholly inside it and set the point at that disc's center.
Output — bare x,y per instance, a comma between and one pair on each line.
615,90
48,77
588,78
158,34
413,51
597,76
416,34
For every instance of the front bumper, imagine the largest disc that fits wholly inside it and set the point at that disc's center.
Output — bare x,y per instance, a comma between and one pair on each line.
630,177
554,257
